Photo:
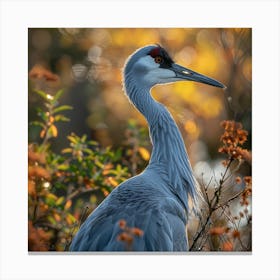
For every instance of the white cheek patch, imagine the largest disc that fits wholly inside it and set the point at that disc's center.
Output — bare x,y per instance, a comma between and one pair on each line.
151,73
162,73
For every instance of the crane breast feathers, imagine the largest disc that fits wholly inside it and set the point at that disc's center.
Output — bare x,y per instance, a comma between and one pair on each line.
148,208
159,230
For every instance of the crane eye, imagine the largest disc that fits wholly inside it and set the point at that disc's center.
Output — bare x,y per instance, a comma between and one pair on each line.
158,59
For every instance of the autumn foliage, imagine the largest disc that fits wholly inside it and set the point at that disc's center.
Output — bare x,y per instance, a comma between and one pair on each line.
64,187
233,138
85,138
226,232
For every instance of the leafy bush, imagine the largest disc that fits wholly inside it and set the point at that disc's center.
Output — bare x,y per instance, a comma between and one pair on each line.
219,229
63,188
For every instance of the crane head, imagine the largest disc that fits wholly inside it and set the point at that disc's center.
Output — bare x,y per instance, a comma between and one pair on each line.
152,65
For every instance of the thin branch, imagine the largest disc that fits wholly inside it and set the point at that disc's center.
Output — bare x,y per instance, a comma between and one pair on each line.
229,200
201,231
80,191
221,182
213,205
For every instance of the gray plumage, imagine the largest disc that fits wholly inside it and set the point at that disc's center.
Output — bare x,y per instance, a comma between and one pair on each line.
157,200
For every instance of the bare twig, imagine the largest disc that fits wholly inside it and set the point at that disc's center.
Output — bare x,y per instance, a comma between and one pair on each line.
213,205
80,191
229,200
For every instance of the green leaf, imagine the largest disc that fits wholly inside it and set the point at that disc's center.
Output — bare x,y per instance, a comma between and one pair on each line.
99,164
42,94
43,115
67,150
73,139
70,219
52,131
117,155
93,199
37,123
60,200
89,151
58,95
63,167
51,199
84,138
61,118
62,108
93,143
51,220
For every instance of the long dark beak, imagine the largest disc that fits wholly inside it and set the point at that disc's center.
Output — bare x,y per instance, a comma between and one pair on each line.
189,75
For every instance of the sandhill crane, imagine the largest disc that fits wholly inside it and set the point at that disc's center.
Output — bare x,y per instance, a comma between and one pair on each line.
157,200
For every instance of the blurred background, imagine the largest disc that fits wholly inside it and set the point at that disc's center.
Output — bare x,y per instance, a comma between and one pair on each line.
87,63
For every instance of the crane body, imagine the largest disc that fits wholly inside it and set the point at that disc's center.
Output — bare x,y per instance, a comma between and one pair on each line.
157,200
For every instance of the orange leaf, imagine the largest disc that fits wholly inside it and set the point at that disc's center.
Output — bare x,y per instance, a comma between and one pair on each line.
236,233
112,181
227,246
51,119
42,133
68,204
36,156
217,230
38,171
39,72
57,217
31,188
53,130
70,219
145,154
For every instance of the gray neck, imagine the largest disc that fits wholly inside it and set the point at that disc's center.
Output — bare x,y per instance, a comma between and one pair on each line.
169,154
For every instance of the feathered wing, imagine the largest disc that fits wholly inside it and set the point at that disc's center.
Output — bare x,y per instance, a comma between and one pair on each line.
142,205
